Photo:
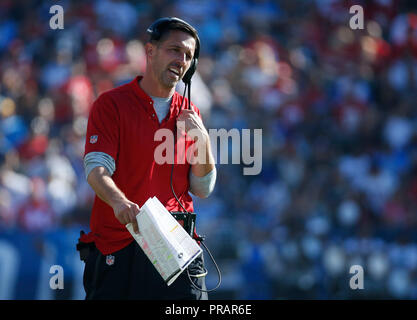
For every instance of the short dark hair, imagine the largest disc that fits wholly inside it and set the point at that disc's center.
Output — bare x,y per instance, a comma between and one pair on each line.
161,27
167,27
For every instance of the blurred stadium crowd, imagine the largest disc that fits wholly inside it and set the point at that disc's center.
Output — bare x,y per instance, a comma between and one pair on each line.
338,185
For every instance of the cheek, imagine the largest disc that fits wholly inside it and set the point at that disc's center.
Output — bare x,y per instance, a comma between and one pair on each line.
165,57
158,62
158,67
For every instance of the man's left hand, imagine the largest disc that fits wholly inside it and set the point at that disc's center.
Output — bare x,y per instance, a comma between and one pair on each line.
190,121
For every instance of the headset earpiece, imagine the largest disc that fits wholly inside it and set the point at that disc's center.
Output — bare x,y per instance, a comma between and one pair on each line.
189,74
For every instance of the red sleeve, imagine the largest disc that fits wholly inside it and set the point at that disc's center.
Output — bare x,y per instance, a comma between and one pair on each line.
103,128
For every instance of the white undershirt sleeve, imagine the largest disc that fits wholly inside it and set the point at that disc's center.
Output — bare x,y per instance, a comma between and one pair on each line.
203,186
98,159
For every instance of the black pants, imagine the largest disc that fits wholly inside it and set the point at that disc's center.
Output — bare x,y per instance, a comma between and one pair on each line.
128,274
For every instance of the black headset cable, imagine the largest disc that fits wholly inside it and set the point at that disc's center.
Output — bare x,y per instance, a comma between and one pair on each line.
175,195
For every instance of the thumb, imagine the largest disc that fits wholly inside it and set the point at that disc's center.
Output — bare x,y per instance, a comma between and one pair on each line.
134,219
135,227
135,223
137,208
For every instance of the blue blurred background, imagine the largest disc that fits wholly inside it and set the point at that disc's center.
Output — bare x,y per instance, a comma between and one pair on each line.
338,185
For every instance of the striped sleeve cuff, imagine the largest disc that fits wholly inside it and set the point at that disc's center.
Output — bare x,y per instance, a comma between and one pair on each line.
98,159
203,186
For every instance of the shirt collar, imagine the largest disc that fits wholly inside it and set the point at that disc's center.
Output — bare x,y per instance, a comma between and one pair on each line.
148,102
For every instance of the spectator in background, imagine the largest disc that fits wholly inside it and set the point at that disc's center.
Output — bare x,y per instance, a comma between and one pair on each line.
336,107
36,214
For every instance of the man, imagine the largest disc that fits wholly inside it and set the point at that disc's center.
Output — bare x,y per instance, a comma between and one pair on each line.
121,167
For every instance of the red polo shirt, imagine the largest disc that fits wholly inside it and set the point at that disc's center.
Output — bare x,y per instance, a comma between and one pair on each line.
123,123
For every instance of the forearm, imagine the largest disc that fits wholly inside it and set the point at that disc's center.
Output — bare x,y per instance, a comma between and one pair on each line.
104,186
106,189
205,165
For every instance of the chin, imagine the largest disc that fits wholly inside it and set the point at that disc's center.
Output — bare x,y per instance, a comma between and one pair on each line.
170,84
169,81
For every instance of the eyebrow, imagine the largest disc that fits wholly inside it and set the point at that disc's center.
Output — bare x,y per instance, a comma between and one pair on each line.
178,46
173,45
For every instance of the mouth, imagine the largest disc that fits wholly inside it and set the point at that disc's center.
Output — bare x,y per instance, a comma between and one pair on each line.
174,71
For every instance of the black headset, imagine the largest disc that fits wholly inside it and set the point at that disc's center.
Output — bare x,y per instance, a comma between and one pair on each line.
154,31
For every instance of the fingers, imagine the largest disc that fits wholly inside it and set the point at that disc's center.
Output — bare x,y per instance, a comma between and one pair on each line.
189,119
135,227
134,210
187,114
126,213
188,111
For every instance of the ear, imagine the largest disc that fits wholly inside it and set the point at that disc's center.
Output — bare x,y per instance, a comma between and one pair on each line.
149,49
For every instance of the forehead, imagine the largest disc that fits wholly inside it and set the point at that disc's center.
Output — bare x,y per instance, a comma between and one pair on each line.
180,38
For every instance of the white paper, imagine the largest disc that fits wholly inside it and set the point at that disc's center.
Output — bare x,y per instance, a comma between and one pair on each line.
165,242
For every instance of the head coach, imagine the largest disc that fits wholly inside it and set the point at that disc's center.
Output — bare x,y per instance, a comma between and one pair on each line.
120,167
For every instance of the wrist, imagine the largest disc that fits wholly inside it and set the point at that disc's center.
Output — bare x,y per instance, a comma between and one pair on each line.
117,202
203,138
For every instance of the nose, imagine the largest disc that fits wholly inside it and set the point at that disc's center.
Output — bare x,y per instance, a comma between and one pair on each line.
181,59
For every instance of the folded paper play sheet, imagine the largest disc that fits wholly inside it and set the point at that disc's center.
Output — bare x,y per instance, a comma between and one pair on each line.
165,242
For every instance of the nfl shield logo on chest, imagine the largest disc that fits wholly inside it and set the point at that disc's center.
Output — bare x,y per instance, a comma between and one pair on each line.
93,139
109,260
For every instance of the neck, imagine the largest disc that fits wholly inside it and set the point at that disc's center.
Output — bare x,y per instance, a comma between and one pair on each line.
152,87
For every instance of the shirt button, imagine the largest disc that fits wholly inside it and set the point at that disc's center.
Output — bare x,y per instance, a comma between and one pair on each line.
150,102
